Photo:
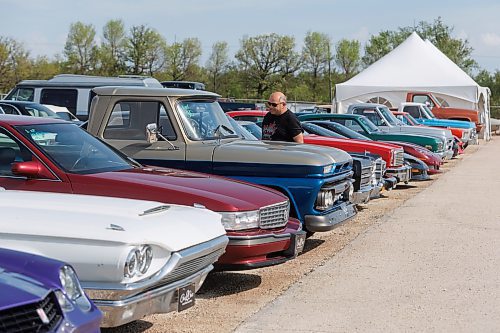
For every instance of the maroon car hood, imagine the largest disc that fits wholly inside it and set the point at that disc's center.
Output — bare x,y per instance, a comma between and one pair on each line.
178,187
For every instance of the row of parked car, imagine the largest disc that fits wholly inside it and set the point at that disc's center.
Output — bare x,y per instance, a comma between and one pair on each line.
160,186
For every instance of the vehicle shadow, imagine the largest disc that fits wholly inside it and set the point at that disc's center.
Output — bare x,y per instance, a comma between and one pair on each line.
311,244
404,187
235,282
137,326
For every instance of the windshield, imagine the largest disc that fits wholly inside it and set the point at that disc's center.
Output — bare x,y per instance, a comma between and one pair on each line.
345,131
40,111
389,117
75,150
318,130
368,125
436,100
243,131
428,112
204,120
410,120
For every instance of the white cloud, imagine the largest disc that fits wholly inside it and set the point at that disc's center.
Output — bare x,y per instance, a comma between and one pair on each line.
490,39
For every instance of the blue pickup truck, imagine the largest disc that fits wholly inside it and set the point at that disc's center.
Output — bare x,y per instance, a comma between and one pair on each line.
187,129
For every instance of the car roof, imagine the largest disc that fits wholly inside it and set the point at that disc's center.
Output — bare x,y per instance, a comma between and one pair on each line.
74,80
28,120
153,92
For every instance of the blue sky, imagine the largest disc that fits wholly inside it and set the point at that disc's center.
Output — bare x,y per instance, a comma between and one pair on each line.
42,25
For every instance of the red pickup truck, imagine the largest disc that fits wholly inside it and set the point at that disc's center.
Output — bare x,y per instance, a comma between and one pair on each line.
444,111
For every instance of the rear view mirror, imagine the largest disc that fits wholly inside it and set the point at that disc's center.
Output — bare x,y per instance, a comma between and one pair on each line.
151,133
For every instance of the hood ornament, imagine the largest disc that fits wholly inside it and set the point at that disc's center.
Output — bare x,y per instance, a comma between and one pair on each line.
115,227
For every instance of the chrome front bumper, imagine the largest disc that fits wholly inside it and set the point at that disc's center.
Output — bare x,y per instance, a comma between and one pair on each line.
402,174
319,223
124,303
362,195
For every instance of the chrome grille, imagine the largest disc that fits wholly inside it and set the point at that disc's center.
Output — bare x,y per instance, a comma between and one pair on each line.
449,146
366,176
380,167
274,216
25,318
398,158
192,266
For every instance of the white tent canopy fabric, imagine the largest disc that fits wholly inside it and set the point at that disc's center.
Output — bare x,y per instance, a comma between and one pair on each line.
414,65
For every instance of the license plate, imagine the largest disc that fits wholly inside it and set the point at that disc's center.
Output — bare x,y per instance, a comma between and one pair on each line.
185,297
297,242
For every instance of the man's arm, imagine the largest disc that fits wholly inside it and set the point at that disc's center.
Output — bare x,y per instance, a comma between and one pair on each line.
299,138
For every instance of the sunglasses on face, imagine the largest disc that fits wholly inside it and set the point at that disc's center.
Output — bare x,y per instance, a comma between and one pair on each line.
272,104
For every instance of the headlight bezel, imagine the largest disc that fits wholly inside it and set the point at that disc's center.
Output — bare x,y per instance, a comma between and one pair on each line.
138,261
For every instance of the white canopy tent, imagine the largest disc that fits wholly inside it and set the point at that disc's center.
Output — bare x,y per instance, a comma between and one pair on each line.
414,65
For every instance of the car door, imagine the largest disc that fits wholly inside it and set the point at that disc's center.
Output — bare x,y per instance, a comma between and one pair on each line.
126,131
12,151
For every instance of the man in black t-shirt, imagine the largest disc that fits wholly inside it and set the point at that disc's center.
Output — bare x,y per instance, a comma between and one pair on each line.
281,124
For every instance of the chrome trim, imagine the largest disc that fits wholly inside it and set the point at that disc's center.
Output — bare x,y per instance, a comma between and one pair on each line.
159,300
257,240
275,215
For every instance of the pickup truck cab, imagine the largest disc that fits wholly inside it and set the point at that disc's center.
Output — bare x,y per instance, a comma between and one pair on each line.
464,130
443,111
187,129
383,118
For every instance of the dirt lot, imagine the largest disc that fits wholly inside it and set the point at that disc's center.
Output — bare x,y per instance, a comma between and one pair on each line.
228,298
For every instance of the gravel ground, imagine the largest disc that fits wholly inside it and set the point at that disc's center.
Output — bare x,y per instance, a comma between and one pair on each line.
228,298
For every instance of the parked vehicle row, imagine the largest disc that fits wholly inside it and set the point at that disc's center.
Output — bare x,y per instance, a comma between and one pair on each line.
162,186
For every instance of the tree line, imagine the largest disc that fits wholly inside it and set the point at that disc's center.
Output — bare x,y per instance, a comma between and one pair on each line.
262,64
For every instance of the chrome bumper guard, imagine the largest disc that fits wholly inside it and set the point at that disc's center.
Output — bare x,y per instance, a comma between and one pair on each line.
362,195
402,174
319,223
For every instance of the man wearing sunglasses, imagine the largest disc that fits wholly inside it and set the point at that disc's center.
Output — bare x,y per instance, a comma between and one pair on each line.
281,124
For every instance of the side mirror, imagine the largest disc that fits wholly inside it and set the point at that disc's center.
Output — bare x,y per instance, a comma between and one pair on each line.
31,169
151,133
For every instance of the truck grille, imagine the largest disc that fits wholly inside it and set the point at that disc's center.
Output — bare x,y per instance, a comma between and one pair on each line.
399,158
380,167
192,266
274,216
366,176
26,318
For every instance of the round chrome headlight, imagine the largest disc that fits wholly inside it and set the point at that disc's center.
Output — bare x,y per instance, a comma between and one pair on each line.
138,261
144,258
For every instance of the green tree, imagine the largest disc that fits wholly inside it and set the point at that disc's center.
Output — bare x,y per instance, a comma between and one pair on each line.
262,58
183,59
113,49
146,51
217,63
81,48
316,54
348,57
492,81
14,63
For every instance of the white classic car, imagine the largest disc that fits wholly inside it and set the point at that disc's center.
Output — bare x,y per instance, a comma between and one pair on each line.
133,257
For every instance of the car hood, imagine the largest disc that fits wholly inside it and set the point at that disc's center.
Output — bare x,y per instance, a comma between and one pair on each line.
70,218
278,152
450,123
435,132
178,187
350,145
18,289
